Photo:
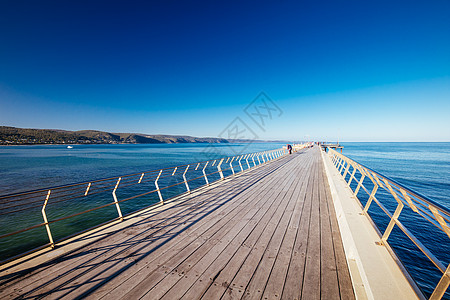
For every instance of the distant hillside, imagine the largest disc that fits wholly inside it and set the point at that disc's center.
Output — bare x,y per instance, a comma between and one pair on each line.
25,136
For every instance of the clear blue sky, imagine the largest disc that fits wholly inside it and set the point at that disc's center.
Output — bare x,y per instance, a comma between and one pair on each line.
355,70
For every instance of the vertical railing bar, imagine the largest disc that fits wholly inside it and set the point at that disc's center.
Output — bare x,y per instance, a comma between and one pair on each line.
140,179
342,166
352,176
157,188
408,199
442,285
204,173
231,165
346,170
185,181
44,215
440,220
363,176
220,169
372,195
87,189
242,169
115,199
395,216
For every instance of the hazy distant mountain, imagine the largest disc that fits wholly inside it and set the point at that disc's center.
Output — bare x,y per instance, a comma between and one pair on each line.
25,136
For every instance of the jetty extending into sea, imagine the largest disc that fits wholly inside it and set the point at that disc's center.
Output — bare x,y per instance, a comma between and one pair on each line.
266,225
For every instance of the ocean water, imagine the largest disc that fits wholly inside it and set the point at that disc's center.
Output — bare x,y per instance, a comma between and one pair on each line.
423,167
25,168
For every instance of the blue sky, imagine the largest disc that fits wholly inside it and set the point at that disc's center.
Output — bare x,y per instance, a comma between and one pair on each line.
351,70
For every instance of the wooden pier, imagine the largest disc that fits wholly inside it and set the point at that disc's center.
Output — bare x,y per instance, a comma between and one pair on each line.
268,233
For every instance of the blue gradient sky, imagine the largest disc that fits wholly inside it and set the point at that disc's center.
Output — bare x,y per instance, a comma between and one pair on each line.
352,70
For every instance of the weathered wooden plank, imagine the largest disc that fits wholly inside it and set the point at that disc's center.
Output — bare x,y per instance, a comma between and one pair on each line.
345,283
294,280
311,279
275,284
328,273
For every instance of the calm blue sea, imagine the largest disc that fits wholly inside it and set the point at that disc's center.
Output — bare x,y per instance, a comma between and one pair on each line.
24,168
424,167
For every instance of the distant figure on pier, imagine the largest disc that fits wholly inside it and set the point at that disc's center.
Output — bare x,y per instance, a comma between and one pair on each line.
289,147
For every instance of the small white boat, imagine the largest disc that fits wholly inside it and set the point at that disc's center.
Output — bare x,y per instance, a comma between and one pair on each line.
69,147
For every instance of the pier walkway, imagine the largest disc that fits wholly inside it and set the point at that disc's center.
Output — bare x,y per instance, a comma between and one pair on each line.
267,233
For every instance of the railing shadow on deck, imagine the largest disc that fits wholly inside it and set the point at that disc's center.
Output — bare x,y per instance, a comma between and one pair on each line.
151,238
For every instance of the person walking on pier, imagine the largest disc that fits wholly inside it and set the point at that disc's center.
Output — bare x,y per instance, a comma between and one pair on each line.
289,147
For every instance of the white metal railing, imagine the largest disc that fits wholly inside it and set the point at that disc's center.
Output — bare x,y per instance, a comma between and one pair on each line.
141,184
434,213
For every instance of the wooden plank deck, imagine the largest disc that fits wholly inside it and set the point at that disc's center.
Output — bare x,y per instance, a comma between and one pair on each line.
269,233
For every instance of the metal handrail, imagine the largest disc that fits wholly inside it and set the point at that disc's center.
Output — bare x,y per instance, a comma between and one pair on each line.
429,210
26,200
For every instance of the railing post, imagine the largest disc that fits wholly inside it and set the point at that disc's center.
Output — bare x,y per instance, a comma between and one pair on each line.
440,220
204,173
408,199
253,158
115,199
140,178
352,176
87,189
363,175
442,286
185,181
246,159
372,195
242,169
231,165
47,227
342,166
157,188
340,162
259,162
346,170
220,169
395,216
